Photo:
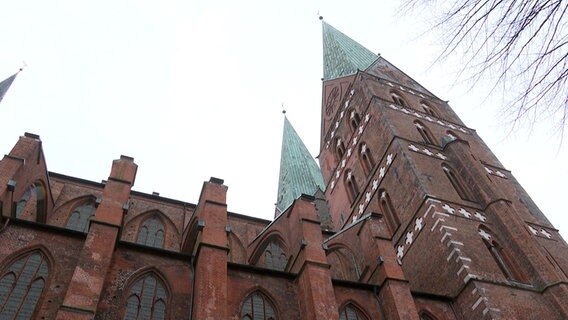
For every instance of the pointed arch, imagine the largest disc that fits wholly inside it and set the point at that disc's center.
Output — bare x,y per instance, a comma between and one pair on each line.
146,296
425,133
351,311
237,252
151,228
354,119
339,149
387,209
501,256
425,315
457,183
398,98
272,252
429,109
81,215
22,281
151,232
258,306
366,158
351,186
343,263
33,202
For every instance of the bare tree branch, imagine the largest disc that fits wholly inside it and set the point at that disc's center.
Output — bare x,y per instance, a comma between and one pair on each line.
521,45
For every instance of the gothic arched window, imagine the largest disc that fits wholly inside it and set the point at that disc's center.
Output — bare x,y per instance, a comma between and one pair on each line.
147,299
275,257
366,158
350,312
397,98
354,120
32,202
501,257
424,315
257,307
21,286
80,217
339,149
457,182
425,133
388,211
429,109
151,233
351,186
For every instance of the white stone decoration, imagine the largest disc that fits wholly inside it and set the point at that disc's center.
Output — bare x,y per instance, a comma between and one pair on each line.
499,173
367,117
400,252
341,114
392,106
361,208
336,124
418,224
381,172
364,148
488,170
368,196
413,148
409,237
349,175
480,216
417,115
337,173
533,230
484,235
448,208
361,129
333,184
546,233
464,212
338,142
349,152
375,184
351,92
355,141
343,163
389,158
428,152
441,156
429,119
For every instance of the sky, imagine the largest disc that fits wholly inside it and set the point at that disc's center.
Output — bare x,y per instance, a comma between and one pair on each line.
195,89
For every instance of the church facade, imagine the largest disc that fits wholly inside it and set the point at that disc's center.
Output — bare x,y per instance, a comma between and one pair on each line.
408,215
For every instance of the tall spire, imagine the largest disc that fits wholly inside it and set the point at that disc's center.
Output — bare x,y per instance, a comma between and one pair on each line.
299,172
342,55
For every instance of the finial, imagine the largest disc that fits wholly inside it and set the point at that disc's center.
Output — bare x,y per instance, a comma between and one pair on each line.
321,17
283,110
23,66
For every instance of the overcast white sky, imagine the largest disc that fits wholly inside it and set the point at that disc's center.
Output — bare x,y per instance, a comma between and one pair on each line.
193,89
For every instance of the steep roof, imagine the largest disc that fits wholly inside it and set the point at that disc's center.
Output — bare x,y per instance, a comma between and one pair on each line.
342,55
299,172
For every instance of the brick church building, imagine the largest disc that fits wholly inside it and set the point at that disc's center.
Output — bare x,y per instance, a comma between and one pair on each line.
408,215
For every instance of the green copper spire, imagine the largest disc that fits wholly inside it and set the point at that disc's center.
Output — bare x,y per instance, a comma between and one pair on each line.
342,55
299,172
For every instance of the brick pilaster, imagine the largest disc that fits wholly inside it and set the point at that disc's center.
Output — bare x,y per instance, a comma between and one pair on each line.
86,285
210,294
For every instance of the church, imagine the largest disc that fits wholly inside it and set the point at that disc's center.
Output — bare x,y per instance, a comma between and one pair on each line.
408,215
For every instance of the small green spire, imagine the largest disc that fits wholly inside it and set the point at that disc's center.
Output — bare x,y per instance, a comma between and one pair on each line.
342,55
299,172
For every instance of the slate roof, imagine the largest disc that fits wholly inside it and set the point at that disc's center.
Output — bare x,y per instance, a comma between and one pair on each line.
342,55
299,172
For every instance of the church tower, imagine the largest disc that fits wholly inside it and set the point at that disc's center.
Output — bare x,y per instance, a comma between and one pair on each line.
465,233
